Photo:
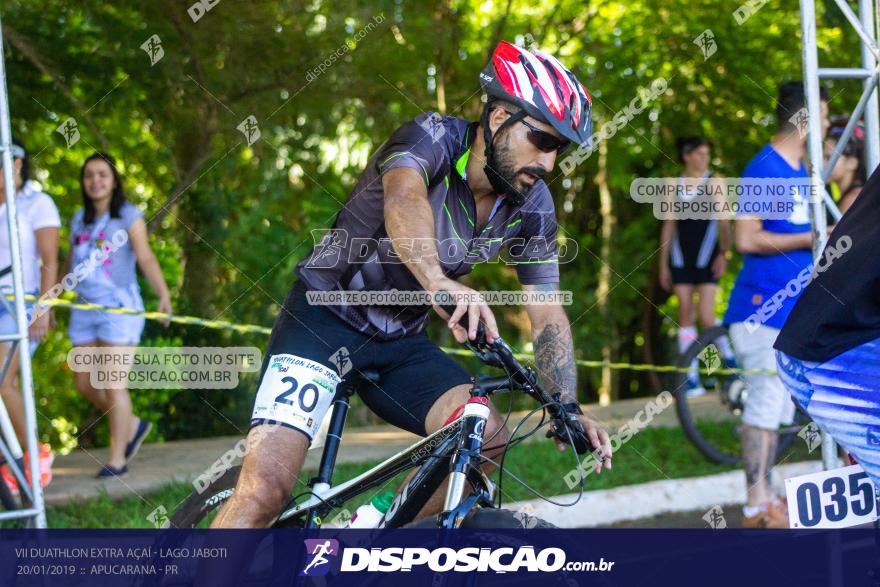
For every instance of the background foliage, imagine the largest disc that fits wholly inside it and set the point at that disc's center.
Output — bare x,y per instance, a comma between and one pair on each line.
229,221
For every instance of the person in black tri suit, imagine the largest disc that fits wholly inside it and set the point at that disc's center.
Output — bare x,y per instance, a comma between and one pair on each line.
693,256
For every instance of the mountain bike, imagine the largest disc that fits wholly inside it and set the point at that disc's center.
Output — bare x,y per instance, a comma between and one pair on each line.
712,421
453,453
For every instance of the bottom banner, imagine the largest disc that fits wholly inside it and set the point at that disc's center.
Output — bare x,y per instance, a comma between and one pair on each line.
441,558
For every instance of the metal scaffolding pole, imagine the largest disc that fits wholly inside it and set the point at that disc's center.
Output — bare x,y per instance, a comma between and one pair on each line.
868,72
35,510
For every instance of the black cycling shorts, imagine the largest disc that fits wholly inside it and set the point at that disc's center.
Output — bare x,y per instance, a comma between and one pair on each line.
413,371
692,275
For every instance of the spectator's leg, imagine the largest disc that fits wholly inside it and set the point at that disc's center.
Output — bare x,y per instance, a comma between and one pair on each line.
83,382
687,330
119,412
685,294
11,395
98,397
706,305
767,405
708,293
759,451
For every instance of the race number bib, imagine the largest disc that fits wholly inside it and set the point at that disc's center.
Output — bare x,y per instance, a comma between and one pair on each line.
296,392
838,498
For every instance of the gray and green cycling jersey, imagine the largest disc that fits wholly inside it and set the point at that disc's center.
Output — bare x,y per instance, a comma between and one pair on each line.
357,254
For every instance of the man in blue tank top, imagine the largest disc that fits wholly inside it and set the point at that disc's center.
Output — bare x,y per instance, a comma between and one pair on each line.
776,257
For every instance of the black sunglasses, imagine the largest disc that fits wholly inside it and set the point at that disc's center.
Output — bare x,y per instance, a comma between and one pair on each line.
543,140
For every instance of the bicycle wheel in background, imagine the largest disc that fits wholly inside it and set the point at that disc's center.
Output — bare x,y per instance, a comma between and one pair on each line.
712,421
199,509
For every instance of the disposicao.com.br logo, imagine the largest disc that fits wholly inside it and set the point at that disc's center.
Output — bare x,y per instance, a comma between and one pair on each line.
468,559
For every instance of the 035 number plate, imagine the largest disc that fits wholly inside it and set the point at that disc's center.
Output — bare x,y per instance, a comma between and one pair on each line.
838,498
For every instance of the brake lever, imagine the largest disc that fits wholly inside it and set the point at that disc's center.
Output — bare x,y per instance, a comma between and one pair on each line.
565,425
486,352
567,428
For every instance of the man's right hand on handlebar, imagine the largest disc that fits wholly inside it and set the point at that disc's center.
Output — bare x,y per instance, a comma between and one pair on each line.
467,301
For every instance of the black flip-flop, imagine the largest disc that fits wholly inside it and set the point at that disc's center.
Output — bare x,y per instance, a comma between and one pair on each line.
108,471
140,434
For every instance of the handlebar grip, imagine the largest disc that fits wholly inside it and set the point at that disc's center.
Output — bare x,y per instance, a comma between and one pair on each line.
571,432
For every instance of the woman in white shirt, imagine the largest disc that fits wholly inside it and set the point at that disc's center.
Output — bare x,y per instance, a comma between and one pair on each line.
38,224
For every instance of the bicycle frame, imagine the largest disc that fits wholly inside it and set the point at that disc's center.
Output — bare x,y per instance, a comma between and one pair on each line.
449,451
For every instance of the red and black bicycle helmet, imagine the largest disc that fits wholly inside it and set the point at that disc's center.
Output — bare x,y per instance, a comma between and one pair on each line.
540,85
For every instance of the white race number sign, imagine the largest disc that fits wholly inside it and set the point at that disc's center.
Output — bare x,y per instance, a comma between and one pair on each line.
838,498
295,391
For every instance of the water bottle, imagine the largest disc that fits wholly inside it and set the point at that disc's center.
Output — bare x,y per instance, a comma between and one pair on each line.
369,515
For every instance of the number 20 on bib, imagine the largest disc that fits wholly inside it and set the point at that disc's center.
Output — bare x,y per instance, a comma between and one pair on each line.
296,392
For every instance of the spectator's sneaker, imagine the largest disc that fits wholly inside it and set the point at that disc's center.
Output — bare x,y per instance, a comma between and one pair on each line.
107,471
694,388
781,503
143,429
774,516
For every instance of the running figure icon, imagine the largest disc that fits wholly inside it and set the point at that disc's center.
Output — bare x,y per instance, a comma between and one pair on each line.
320,550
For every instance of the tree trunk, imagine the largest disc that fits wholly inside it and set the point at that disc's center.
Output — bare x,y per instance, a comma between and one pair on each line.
200,272
607,390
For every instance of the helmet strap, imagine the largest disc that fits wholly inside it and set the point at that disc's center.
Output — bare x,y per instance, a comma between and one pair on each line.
498,183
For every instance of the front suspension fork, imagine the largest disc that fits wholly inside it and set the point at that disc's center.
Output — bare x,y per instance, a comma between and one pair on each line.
475,416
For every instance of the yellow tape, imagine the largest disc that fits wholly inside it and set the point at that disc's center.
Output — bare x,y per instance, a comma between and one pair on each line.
253,328
637,366
216,324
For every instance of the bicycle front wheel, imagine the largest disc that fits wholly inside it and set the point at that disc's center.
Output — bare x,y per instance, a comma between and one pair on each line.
490,518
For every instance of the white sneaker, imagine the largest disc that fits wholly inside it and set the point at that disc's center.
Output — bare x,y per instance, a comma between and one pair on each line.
694,389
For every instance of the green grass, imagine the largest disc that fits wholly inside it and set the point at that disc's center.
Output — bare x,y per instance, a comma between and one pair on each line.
652,454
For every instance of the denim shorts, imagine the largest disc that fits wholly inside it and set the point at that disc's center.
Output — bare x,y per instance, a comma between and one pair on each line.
88,326
842,396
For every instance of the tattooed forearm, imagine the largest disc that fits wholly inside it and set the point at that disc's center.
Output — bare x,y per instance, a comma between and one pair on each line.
554,359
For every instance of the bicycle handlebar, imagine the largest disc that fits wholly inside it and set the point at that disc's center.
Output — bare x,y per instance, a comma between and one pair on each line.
565,425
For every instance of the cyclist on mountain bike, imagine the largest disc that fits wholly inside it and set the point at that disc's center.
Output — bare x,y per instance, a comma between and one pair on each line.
475,187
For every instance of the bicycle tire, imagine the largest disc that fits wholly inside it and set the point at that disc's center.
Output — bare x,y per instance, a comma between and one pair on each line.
709,449
199,505
490,518
7,499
